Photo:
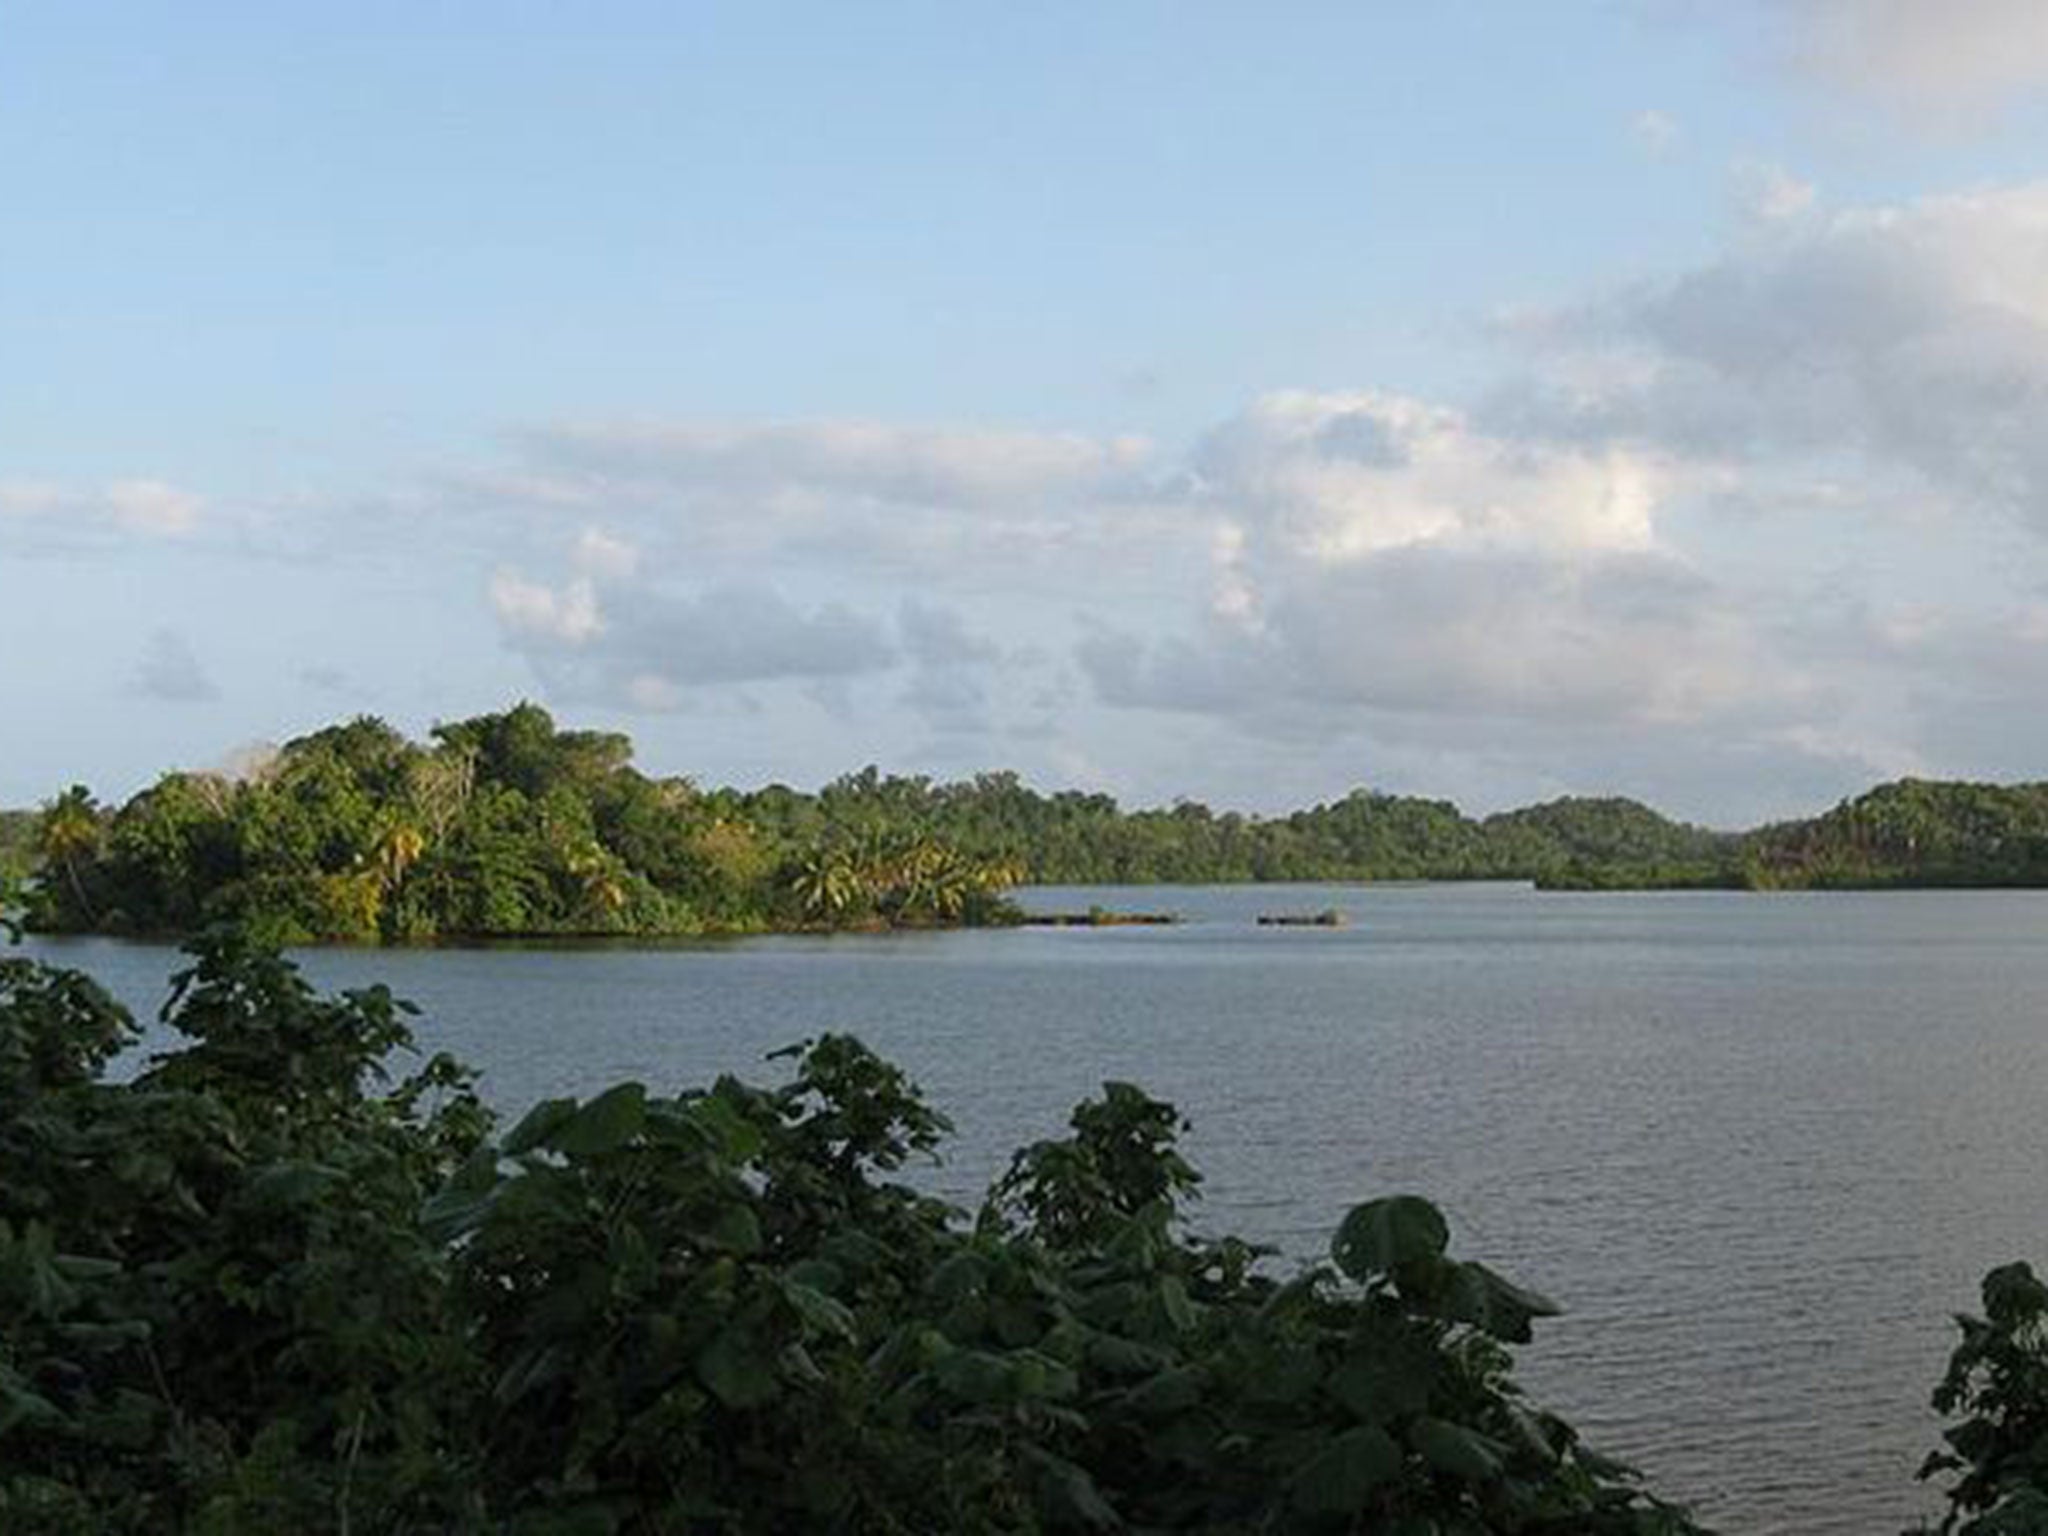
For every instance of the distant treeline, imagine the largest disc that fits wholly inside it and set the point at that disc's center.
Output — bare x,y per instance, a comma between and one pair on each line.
505,825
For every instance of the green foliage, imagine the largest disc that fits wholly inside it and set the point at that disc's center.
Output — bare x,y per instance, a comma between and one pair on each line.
1996,1386
505,826
259,1287
502,826
217,1310
17,844
1912,832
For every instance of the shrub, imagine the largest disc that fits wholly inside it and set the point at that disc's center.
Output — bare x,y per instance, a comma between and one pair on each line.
264,1286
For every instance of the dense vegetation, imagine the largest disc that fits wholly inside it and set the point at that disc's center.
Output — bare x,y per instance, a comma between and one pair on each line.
1912,832
504,825
1086,839
263,1285
501,825
17,844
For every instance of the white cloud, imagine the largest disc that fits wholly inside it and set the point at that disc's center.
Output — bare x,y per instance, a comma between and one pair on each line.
1330,478
1713,524
1770,194
616,634
1865,343
529,610
601,555
149,507
855,494
1385,566
30,498
1944,56
905,466
1655,133
1606,639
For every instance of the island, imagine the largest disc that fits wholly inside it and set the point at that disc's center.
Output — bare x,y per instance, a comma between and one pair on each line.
507,826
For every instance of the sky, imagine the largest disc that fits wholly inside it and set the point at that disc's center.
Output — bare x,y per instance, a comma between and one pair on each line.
1244,403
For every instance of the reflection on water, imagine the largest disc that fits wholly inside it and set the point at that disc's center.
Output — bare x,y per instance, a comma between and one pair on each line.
1759,1146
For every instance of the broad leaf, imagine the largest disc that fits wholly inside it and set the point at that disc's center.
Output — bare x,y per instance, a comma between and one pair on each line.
1383,1236
738,1373
606,1123
1339,1479
1452,1448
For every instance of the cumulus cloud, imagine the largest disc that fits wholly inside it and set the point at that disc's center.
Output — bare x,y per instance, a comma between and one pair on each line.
1945,56
1608,639
149,507
1336,476
1767,193
170,672
534,612
613,633
1780,508
600,554
1722,523
1655,133
859,494
1389,567
1909,338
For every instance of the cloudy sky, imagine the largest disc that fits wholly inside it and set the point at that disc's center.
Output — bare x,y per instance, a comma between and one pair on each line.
1245,402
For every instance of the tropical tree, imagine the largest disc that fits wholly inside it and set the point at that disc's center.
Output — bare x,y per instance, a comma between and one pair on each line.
70,836
826,883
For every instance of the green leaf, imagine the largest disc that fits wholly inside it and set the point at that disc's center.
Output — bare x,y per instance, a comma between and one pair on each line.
738,1137
1534,1433
1382,1236
1168,1393
820,1312
736,1371
453,1211
1476,1295
1340,1477
736,1229
1174,1297
537,1125
974,1376
1071,1492
1456,1450
1385,1381
606,1123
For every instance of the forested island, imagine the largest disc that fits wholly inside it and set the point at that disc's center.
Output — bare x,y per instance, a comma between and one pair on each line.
505,825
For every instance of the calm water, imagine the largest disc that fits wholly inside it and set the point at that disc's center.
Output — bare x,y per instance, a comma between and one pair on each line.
1759,1146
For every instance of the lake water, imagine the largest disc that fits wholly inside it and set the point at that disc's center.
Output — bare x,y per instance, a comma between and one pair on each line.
1758,1146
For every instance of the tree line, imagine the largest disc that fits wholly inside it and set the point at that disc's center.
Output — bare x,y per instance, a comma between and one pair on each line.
501,825
506,825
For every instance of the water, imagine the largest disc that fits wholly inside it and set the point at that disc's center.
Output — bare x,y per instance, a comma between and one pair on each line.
1759,1146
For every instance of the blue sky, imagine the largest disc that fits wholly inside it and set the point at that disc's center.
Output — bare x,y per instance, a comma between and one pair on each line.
1245,402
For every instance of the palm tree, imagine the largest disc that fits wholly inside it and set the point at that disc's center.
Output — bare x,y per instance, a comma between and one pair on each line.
70,832
826,883
399,845
597,872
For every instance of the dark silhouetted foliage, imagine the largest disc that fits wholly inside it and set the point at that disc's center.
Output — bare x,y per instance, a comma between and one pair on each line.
263,1286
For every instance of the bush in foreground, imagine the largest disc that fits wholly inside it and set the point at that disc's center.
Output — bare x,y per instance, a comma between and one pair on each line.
264,1286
